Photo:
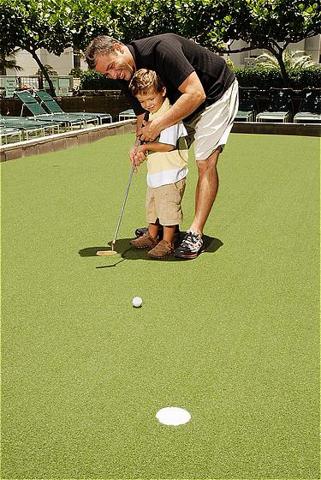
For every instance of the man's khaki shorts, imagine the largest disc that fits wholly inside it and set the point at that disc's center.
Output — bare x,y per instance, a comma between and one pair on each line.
164,203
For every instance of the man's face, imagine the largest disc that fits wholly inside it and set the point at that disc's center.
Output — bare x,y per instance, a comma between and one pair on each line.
117,65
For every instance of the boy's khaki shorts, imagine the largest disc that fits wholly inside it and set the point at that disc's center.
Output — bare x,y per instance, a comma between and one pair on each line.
164,203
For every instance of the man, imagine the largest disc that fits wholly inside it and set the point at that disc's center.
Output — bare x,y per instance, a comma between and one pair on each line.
203,93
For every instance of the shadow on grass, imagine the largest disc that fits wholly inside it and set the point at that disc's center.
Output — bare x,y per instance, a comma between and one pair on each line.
127,252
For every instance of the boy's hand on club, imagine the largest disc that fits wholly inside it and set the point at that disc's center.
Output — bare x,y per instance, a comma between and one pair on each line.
137,155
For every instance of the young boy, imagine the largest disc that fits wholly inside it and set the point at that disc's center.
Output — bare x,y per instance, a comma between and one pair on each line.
166,168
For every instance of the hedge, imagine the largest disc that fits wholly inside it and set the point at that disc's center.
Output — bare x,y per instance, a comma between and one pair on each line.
262,77
91,80
256,76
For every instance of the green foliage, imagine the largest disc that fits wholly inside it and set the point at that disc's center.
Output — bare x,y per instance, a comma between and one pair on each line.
30,25
8,62
306,77
262,77
48,69
57,24
258,76
76,72
230,63
265,22
291,59
91,80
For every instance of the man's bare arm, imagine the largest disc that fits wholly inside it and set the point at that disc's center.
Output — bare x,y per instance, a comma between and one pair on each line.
193,95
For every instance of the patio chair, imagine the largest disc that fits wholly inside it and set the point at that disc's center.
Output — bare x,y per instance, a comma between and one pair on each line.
38,112
30,127
51,106
280,108
247,107
126,115
9,133
310,107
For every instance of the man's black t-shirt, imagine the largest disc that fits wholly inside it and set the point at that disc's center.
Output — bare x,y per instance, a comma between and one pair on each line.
174,58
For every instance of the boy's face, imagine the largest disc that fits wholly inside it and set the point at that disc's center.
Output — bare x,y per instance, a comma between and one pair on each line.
151,100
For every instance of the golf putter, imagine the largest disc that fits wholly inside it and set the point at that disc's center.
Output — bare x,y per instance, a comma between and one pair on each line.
106,253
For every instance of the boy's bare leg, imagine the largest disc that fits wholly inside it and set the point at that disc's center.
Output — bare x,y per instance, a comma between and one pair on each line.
168,233
166,246
153,229
206,190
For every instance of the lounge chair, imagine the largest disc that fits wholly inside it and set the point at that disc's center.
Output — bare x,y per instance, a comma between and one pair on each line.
280,108
38,112
126,114
310,107
29,127
51,106
9,133
247,108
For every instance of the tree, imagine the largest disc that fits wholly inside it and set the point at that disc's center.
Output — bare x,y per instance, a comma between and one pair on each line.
265,24
30,25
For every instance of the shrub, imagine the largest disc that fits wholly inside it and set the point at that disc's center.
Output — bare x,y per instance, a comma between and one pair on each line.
91,80
306,77
258,76
76,72
263,77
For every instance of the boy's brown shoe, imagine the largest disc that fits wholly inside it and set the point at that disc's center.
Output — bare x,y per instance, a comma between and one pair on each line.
145,241
162,250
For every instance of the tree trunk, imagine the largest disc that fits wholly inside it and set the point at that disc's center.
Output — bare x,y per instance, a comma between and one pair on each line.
278,53
44,72
2,64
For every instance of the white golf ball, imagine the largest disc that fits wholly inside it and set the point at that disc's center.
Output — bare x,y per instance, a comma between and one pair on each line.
137,302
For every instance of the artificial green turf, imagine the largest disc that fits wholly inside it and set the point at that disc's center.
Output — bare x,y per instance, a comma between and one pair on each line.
231,336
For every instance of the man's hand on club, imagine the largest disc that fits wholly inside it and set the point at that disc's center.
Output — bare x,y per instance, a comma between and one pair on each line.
149,131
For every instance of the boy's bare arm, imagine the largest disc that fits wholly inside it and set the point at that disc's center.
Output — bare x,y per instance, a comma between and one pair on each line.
142,150
133,151
155,147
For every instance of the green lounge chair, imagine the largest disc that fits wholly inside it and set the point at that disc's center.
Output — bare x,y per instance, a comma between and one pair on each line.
31,104
7,134
126,114
50,104
30,127
310,107
280,108
247,107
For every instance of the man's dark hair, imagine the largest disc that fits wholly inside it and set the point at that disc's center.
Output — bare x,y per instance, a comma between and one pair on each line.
99,46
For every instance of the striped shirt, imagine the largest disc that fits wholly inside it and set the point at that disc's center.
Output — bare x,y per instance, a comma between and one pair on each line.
164,168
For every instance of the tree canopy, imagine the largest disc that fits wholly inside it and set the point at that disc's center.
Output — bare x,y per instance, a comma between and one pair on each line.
57,24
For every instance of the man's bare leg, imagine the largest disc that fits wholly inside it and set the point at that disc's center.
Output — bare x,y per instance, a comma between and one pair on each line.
206,190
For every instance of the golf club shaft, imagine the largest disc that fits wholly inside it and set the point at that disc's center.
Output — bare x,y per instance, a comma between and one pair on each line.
123,206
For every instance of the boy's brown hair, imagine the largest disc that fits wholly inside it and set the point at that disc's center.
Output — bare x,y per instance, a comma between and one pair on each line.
143,80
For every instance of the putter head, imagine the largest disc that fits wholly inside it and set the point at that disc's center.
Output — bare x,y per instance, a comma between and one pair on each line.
105,253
